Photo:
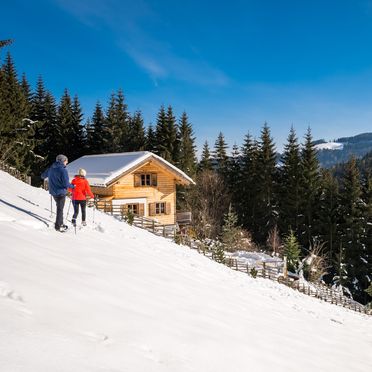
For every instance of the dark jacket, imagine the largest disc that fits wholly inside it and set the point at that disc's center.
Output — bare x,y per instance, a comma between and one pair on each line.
58,181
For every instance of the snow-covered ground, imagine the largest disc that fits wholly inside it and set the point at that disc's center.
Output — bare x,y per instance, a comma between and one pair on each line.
330,146
116,298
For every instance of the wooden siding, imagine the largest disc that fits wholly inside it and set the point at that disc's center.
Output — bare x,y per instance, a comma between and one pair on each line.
164,192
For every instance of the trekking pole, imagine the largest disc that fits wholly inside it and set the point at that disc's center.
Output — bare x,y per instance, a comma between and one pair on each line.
51,207
68,209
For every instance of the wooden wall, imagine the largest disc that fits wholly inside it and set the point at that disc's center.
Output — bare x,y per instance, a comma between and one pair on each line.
164,192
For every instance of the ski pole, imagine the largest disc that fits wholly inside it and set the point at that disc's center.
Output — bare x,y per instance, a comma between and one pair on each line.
68,209
51,207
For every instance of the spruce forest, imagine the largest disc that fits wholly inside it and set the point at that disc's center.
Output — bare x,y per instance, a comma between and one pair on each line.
243,197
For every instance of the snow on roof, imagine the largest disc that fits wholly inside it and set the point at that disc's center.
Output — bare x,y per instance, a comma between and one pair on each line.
102,169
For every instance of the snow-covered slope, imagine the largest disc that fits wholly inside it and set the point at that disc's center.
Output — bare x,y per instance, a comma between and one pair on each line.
329,146
116,298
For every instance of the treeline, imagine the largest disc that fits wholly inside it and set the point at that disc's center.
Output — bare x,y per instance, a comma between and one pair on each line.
294,198
34,128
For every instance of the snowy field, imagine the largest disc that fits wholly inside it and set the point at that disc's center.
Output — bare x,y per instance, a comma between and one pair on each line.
114,298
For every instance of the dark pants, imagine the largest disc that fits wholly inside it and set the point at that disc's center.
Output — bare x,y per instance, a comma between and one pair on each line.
60,203
83,205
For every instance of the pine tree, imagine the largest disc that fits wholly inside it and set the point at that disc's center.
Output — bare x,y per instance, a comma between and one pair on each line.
150,139
65,122
173,140
247,184
50,130
353,227
77,144
117,123
292,251
205,161
289,187
16,129
266,181
220,155
187,158
167,141
309,191
162,135
329,213
26,90
136,135
99,135
231,232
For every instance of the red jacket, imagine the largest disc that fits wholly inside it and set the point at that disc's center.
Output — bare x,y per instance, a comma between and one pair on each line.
81,190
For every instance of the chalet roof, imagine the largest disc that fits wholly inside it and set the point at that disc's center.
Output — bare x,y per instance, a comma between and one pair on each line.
103,169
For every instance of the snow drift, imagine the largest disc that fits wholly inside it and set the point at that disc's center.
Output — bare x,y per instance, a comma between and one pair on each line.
116,298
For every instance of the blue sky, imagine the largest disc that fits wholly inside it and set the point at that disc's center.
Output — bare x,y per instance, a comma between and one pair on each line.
230,65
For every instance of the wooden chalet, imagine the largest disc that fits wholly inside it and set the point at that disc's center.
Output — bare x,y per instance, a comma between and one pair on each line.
140,182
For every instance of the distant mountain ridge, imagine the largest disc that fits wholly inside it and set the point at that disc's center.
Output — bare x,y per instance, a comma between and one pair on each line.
341,149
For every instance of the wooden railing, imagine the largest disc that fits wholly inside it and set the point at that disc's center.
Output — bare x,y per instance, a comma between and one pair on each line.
266,270
167,231
15,172
274,271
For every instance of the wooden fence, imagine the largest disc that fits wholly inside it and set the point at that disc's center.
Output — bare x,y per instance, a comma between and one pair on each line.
15,172
274,271
167,231
266,270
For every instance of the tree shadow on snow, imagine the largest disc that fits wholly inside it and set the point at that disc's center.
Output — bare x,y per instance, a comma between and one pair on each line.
39,218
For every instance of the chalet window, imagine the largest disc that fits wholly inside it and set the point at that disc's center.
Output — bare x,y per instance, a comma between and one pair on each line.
133,208
157,209
145,179
137,209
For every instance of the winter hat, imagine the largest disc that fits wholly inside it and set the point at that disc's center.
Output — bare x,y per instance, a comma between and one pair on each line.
82,172
61,158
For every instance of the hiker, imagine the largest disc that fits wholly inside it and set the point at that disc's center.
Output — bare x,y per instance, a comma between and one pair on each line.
58,183
79,195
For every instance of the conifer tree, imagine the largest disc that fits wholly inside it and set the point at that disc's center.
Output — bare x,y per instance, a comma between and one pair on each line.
65,122
329,213
167,140
266,209
353,226
16,129
289,187
292,251
220,155
26,90
163,135
234,176
150,139
50,130
77,144
247,206
117,123
309,190
205,161
136,135
99,135
173,140
231,232
187,158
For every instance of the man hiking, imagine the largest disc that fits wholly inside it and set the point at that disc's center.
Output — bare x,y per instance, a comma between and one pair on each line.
58,183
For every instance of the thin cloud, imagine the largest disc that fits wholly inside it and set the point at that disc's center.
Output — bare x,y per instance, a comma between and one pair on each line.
155,57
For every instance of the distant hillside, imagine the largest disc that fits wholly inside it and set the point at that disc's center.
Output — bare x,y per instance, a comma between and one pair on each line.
341,149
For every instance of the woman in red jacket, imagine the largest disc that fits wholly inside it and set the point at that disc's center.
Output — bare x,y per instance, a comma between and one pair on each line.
79,195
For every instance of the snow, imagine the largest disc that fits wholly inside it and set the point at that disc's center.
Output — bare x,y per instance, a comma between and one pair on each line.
329,146
102,169
117,298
